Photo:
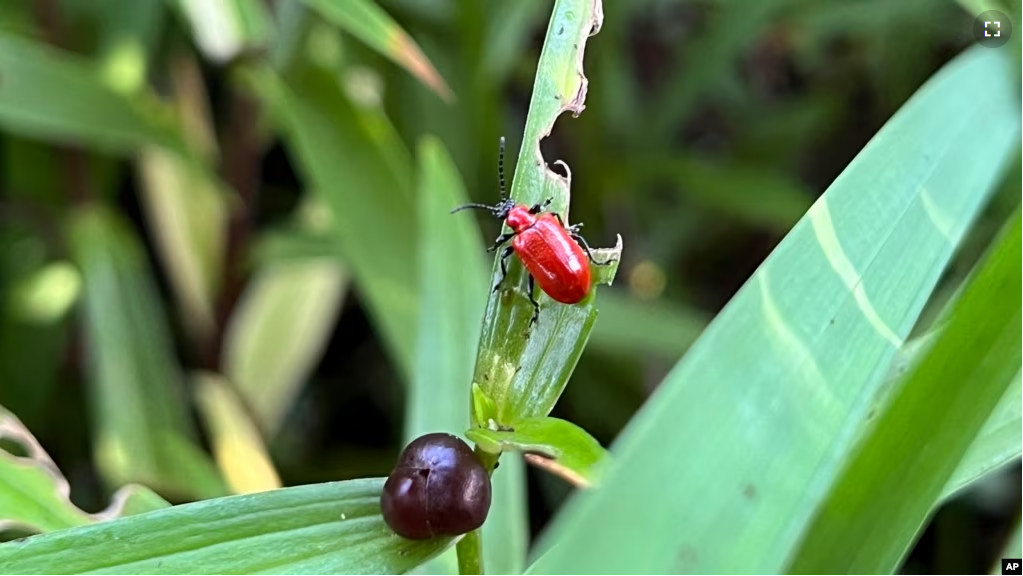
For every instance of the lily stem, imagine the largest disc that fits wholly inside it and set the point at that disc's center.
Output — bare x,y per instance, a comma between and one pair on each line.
470,553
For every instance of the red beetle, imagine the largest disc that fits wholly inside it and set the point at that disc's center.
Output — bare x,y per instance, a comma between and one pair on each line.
552,254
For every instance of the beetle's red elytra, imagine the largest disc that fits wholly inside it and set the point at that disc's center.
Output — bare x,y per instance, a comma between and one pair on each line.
554,255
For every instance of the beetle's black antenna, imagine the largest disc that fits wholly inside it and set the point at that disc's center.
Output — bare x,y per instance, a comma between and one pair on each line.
474,205
500,168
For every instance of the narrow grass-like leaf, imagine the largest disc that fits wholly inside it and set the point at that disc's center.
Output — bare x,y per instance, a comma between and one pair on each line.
566,449
143,433
184,208
999,442
452,279
742,442
35,496
523,369
354,160
279,330
332,528
886,491
368,22
237,443
34,102
509,27
453,293
225,29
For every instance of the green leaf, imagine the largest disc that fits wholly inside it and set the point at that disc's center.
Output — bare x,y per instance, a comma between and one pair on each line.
452,280
567,450
743,440
33,493
185,207
332,528
35,496
998,443
453,293
137,499
356,163
225,30
279,331
880,501
509,25
34,102
237,443
523,369
143,432
368,22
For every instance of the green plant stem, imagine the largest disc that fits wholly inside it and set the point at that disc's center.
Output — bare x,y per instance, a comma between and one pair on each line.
470,547
470,553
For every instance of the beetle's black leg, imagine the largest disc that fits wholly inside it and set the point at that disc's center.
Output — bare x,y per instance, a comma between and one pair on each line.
536,305
538,208
504,266
586,247
573,229
501,240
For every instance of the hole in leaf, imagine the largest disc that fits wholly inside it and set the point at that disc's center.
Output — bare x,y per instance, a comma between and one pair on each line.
13,448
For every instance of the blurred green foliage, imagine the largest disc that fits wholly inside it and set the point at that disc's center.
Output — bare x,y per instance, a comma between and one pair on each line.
236,188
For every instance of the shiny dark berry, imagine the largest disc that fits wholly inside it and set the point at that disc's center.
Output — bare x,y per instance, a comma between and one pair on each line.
437,488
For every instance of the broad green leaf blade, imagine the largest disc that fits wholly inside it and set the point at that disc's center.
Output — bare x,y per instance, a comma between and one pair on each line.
237,444
279,331
34,102
787,372
523,369
999,442
569,450
893,477
368,22
332,528
143,432
453,292
353,159
35,496
225,29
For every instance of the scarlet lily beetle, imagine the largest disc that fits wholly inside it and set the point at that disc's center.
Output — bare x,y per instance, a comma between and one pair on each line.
552,253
